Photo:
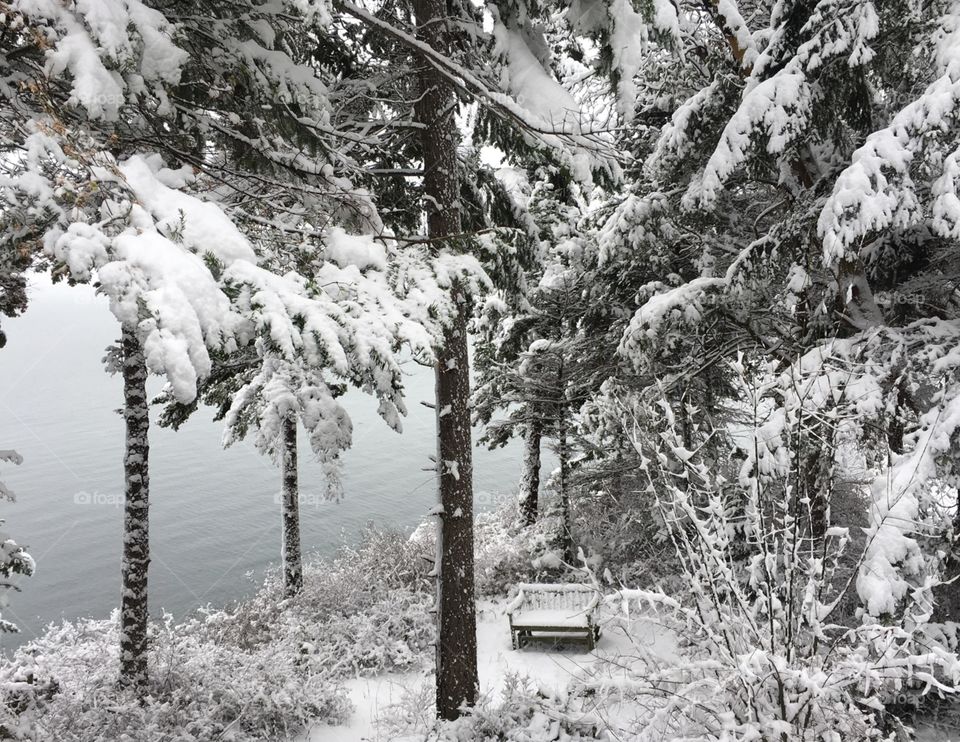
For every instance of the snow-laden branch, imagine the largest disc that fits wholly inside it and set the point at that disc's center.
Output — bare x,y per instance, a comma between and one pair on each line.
581,150
876,191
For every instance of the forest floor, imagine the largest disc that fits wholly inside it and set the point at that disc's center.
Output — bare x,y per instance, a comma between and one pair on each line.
386,704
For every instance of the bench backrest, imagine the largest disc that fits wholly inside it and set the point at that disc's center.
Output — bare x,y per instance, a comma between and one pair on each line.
545,597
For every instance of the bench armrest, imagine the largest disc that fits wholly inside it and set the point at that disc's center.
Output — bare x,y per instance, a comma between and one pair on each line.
515,604
591,607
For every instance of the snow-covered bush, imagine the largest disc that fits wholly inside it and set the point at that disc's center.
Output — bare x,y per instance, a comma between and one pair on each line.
63,686
621,533
506,552
521,713
766,573
260,670
366,610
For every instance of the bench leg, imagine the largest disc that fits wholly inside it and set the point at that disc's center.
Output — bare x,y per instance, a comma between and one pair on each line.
593,636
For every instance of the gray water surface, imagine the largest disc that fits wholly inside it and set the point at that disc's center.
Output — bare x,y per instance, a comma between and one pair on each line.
215,522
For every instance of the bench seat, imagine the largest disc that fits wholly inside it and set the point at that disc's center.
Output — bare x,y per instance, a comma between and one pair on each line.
558,618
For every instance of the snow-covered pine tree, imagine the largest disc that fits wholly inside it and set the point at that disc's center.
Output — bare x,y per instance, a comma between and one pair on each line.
152,251
282,381
281,394
527,359
450,66
89,92
814,148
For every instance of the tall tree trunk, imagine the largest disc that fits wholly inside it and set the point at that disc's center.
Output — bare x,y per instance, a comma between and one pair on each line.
134,609
569,553
456,668
530,481
290,510
456,649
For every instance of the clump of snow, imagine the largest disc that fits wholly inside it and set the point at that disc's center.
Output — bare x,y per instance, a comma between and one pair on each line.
735,24
531,86
630,35
155,272
549,560
354,250
109,49
894,562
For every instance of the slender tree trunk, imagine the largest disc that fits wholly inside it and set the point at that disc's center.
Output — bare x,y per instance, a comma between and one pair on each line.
290,510
134,609
530,481
569,553
456,658
895,429
818,472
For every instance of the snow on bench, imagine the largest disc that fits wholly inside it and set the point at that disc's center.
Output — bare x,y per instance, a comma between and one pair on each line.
567,609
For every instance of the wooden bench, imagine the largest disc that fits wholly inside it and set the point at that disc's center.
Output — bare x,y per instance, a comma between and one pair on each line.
554,609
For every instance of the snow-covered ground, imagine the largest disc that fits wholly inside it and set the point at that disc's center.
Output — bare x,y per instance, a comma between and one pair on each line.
550,667
371,697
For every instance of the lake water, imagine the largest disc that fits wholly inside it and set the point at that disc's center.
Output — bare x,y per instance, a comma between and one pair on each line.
215,521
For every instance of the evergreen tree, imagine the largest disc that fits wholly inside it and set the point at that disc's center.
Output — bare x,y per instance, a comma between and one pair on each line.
450,67
806,116
528,359
162,243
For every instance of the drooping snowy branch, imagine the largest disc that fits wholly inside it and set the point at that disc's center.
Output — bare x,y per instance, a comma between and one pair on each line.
876,191
15,562
154,252
11,457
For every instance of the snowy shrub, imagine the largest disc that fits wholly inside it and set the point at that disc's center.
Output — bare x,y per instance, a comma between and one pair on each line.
766,572
259,671
199,690
618,527
392,633
365,611
507,552
522,713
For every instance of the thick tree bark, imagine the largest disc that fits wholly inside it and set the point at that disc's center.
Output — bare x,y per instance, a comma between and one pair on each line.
134,609
530,480
456,649
290,510
456,670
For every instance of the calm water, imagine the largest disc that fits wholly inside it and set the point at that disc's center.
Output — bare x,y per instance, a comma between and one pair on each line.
215,524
